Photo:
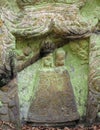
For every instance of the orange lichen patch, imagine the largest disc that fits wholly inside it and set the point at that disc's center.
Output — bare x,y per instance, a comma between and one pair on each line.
1,23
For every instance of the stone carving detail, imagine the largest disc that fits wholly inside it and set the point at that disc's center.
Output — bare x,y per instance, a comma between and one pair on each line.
60,58
93,106
48,61
80,48
52,18
23,3
53,102
47,46
62,19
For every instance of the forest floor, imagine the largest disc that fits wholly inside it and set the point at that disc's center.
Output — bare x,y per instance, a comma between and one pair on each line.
9,126
80,127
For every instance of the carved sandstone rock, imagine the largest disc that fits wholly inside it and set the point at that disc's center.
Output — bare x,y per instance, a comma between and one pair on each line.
36,19
53,102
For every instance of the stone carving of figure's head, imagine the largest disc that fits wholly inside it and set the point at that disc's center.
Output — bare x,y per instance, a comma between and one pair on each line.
48,61
60,58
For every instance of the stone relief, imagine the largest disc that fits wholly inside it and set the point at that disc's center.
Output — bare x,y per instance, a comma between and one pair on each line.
54,86
60,58
80,48
48,61
55,19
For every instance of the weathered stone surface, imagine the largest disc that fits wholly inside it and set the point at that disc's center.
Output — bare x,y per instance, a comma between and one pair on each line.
11,103
27,51
75,69
94,78
60,61
5,118
53,101
5,88
8,76
67,24
4,110
39,19
4,97
35,2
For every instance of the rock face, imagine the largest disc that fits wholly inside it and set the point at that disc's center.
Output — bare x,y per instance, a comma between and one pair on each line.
9,109
93,106
33,29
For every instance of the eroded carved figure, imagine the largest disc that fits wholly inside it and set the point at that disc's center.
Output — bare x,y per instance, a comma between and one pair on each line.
54,100
48,61
60,58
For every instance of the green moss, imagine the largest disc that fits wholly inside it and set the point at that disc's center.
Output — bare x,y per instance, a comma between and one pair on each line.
27,80
13,5
79,77
91,10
